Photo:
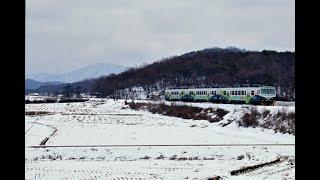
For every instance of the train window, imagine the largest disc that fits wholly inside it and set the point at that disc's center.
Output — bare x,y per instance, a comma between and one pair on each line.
242,92
272,91
224,92
252,93
245,92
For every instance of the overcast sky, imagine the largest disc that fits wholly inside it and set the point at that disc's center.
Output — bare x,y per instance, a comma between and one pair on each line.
63,35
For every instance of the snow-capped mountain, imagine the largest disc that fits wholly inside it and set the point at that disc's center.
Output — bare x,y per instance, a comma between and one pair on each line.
90,71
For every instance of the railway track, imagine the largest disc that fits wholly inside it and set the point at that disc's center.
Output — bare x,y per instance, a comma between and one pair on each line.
155,145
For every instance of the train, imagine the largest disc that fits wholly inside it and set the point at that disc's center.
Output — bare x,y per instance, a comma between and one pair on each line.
260,95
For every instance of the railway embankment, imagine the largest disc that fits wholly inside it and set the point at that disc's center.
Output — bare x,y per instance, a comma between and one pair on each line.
278,118
280,121
182,111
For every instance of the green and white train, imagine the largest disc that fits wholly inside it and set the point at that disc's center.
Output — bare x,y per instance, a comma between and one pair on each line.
235,95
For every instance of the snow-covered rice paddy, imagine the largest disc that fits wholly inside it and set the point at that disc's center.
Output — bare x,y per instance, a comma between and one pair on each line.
96,129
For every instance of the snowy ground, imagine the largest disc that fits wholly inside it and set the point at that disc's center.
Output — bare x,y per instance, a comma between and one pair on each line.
97,127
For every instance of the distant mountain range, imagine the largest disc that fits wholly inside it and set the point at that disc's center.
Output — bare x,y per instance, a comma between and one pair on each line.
32,84
88,72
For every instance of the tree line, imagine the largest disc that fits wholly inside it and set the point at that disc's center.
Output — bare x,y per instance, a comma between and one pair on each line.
201,68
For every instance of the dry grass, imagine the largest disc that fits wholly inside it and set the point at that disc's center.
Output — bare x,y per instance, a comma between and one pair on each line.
34,113
282,121
182,111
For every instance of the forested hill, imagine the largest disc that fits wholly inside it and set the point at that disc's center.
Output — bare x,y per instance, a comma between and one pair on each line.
208,67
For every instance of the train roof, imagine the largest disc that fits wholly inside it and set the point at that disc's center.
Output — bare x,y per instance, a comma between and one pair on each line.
220,86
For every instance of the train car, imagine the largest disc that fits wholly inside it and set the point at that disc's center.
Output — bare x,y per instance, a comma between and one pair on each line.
235,95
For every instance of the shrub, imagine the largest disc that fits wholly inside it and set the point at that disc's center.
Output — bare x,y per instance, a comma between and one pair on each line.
249,120
182,111
265,113
221,112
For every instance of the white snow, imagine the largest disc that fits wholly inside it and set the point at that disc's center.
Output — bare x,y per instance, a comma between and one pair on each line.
109,122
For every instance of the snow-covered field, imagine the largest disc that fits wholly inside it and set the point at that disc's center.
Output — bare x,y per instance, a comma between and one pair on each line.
96,131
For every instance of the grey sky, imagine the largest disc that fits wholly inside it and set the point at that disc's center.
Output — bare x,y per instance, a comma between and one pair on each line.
63,35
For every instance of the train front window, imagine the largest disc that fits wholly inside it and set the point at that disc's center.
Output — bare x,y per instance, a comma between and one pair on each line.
271,91
267,91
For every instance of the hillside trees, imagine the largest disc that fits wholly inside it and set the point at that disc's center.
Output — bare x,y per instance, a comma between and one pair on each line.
205,67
